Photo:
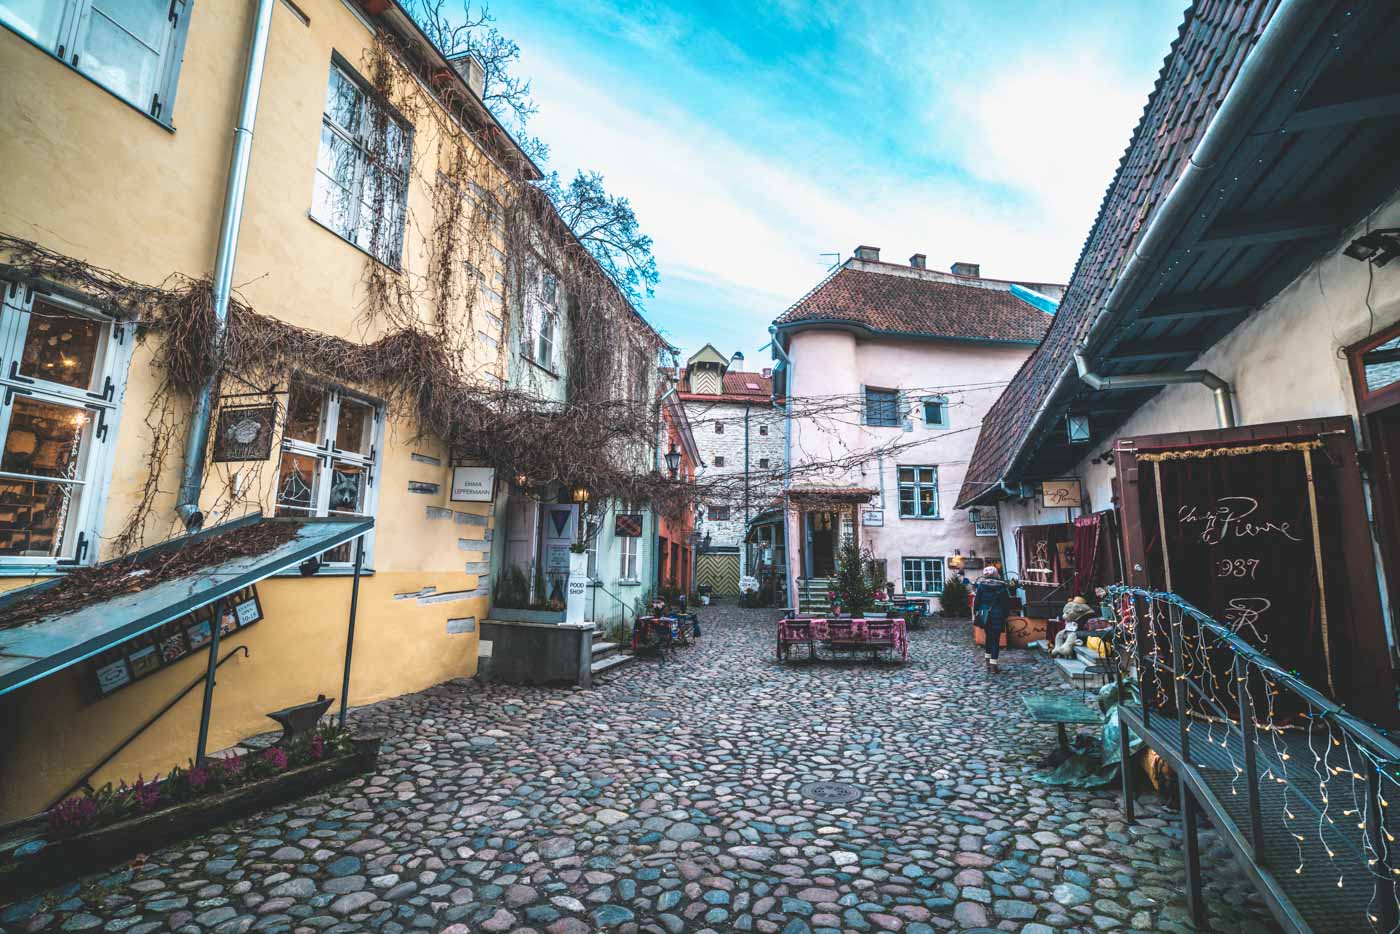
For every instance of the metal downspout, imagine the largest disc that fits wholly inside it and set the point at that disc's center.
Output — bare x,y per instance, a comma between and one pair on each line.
787,459
1276,44
655,570
1224,410
192,478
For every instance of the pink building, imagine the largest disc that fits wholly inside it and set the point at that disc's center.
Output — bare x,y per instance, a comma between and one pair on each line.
888,370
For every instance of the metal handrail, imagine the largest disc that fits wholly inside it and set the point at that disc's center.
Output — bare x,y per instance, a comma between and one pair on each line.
1363,731
82,781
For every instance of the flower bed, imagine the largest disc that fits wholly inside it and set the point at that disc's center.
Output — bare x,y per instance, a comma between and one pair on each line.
100,828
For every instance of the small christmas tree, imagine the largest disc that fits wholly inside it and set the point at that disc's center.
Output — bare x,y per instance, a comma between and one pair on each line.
851,589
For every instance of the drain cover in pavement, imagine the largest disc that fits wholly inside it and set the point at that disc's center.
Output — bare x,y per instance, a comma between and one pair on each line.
831,792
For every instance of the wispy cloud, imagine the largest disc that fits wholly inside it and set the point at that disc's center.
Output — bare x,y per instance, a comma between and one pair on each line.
747,154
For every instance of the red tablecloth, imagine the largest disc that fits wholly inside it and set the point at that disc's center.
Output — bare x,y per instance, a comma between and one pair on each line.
821,631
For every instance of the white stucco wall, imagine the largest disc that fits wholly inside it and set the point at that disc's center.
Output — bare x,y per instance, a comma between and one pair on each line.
1286,361
831,367
764,435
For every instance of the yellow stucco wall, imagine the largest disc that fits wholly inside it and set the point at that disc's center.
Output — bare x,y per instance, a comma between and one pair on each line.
88,176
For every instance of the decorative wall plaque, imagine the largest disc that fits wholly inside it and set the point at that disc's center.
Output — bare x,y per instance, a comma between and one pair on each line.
244,432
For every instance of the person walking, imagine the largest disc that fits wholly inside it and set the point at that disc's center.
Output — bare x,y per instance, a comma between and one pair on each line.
991,606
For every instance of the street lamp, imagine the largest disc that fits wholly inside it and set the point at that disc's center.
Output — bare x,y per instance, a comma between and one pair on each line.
673,461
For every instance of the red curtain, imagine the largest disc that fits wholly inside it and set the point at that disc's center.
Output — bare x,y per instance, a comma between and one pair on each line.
1088,533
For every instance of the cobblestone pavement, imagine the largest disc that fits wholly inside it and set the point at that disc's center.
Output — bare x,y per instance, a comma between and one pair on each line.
668,799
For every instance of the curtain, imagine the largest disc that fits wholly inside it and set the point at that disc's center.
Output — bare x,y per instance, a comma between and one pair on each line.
1087,536
1243,535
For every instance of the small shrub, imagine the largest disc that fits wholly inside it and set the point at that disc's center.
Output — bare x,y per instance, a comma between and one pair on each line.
72,815
953,600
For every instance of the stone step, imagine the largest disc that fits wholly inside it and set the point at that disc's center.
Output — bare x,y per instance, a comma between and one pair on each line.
603,648
610,663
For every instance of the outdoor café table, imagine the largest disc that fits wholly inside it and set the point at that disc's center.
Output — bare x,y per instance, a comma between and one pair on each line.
660,631
1060,709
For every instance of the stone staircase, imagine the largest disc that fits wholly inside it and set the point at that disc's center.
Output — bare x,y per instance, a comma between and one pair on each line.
607,656
811,595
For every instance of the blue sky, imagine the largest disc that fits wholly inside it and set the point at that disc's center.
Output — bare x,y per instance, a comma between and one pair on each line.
753,137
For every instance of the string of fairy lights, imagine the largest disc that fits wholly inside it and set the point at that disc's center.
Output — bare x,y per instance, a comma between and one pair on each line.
1327,801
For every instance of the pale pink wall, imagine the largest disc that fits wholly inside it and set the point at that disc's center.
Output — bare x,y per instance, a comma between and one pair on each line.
832,366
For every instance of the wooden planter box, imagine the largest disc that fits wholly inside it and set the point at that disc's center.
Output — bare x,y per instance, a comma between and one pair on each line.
67,858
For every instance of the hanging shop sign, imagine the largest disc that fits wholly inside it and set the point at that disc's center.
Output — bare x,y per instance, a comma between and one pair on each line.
473,484
1060,494
148,653
872,517
244,432
628,525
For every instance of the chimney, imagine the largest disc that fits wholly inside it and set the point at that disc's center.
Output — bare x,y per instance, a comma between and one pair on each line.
971,270
870,254
736,362
471,70
918,261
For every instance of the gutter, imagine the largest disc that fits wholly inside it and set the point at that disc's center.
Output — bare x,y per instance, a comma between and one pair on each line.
1286,30
655,515
780,351
192,477
1224,411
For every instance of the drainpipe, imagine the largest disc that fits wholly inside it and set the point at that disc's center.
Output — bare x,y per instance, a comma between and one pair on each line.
788,546
1286,29
1224,411
748,405
193,476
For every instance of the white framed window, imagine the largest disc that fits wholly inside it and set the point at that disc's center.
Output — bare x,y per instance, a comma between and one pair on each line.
923,575
935,411
331,451
362,168
130,47
541,331
881,407
544,346
629,547
918,492
62,375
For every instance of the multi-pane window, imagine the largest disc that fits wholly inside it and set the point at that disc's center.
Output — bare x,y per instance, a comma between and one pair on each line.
923,575
540,333
881,407
936,411
629,547
719,460
918,492
719,513
130,47
719,427
60,378
763,429
763,463
361,169
329,457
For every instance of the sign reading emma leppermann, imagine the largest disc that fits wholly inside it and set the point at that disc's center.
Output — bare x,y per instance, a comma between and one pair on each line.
147,653
628,525
244,433
473,484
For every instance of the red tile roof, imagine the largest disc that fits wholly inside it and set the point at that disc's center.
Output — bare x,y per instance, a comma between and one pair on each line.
901,303
1209,48
739,386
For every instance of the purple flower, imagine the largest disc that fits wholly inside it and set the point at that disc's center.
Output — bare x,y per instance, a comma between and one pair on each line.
197,777
72,815
232,766
317,749
146,794
277,757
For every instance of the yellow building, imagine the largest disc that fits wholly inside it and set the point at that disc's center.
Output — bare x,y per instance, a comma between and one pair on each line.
373,210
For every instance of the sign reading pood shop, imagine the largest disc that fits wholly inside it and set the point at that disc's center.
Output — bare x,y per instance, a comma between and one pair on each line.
473,484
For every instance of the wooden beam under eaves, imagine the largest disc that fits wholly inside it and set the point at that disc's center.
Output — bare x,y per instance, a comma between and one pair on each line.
1242,231
1210,303
1154,349
1352,96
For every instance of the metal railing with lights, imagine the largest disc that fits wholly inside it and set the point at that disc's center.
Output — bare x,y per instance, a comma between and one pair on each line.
1297,786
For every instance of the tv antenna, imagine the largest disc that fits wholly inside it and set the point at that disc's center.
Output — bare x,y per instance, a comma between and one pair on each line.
834,264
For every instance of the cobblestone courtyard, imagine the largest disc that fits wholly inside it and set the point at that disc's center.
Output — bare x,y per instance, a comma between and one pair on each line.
668,799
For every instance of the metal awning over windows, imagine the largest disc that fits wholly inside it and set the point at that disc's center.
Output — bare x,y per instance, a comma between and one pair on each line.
45,646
